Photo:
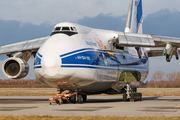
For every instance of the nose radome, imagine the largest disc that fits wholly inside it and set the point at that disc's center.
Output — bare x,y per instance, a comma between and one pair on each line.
51,64
51,51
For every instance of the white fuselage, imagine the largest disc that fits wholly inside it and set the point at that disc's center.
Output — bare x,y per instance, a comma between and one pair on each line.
86,60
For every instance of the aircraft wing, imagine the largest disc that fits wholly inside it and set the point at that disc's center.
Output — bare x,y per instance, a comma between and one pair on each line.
158,45
145,40
156,52
29,45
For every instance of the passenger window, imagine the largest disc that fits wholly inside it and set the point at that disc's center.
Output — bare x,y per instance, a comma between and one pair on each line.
58,28
65,29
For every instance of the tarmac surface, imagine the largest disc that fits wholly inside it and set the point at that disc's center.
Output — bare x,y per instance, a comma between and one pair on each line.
95,105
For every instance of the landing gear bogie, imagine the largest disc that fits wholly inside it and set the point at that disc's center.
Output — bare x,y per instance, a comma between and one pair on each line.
131,94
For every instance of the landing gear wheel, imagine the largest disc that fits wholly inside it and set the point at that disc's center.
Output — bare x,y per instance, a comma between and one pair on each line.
136,96
132,96
57,101
84,98
73,99
124,97
65,101
139,96
80,99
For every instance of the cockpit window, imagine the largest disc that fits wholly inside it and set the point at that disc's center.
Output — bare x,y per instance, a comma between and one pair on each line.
69,30
65,29
57,28
75,29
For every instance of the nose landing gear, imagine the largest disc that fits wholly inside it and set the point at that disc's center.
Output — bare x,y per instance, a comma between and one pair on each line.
68,97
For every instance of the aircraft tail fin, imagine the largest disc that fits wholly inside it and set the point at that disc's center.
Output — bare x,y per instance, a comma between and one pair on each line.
135,17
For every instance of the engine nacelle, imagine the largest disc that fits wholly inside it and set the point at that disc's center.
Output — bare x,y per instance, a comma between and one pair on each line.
15,68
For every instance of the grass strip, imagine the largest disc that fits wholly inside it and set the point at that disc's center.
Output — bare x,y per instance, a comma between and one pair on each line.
47,117
160,93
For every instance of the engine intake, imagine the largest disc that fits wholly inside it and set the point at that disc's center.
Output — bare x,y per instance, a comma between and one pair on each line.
15,68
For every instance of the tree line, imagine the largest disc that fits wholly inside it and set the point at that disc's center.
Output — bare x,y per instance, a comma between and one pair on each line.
159,80
22,84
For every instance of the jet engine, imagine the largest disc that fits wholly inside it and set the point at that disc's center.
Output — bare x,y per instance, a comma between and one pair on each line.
15,68
170,51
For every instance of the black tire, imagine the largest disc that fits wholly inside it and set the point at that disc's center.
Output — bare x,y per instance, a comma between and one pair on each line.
57,101
84,98
73,99
136,96
124,97
50,103
65,101
140,96
132,95
80,99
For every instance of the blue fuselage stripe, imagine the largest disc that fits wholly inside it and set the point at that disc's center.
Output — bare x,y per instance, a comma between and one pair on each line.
40,55
75,51
101,58
35,67
97,59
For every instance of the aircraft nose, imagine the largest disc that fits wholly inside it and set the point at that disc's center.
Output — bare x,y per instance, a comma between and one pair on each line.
51,63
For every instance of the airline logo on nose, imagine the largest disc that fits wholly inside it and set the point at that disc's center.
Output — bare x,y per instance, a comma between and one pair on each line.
137,2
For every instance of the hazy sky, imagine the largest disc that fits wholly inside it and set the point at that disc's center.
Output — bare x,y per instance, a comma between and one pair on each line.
26,19
54,11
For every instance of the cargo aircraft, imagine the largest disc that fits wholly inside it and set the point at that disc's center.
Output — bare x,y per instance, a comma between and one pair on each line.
91,61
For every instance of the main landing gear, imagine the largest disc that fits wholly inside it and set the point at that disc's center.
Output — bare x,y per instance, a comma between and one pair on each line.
63,97
131,94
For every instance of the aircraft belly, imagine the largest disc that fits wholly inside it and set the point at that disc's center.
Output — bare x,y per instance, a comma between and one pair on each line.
84,79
